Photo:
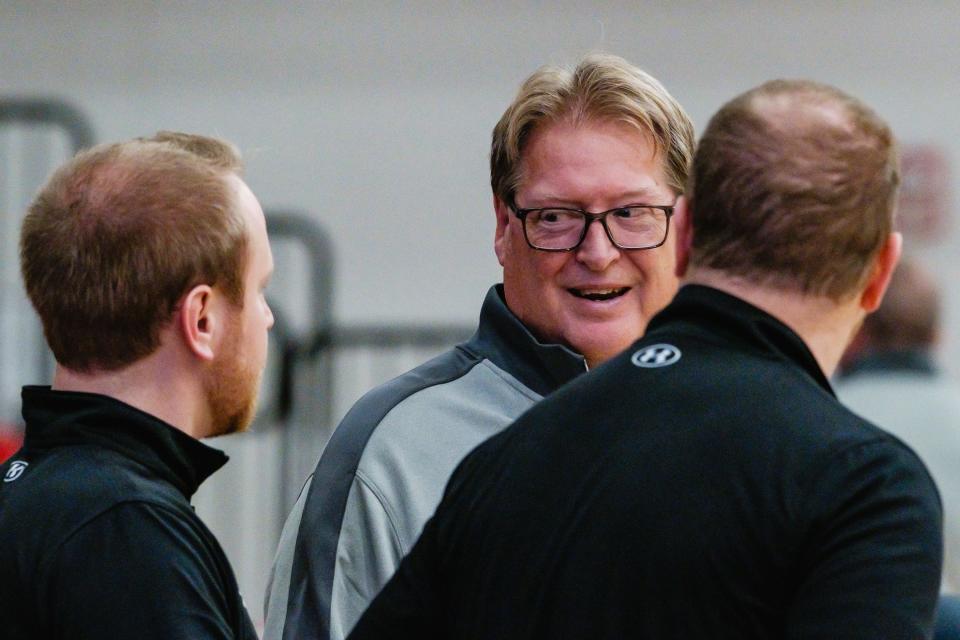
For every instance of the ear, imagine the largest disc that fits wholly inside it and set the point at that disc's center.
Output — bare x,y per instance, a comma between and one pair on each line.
199,318
883,267
683,228
503,222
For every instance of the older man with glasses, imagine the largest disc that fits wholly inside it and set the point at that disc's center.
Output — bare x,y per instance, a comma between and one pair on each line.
585,169
706,483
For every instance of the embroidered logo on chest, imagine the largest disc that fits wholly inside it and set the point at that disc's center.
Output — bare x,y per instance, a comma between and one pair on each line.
656,355
15,471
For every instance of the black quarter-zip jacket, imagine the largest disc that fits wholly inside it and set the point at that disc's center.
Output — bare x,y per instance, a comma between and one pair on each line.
97,535
704,484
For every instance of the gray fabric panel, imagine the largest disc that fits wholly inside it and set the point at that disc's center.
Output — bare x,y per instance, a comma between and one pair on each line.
410,457
311,572
403,472
368,553
502,339
275,601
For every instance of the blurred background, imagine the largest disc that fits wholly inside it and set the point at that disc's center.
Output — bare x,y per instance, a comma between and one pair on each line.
365,127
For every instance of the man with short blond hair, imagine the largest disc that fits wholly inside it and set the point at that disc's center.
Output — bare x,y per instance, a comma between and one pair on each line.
146,261
585,168
706,483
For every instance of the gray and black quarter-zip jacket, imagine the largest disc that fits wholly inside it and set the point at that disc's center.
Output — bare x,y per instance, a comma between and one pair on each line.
384,470
97,535
704,484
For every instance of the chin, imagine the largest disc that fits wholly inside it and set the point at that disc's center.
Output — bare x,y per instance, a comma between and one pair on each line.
237,422
598,351
232,397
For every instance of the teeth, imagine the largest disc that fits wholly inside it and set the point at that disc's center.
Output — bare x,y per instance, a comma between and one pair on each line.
599,294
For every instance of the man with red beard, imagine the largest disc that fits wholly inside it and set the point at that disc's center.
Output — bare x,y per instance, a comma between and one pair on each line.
146,261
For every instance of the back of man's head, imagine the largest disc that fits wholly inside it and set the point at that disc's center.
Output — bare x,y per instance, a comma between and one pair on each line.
793,187
119,233
909,317
603,87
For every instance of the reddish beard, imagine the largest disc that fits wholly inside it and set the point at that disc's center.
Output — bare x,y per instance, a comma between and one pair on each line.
231,387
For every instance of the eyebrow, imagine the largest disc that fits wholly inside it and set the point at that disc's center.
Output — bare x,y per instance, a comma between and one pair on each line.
639,196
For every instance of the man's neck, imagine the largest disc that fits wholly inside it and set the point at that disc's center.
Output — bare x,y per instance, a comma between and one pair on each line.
825,325
148,384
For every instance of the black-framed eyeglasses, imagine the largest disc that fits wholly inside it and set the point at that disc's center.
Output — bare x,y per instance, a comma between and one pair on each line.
635,226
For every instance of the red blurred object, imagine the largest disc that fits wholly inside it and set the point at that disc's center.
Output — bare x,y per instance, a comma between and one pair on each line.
10,441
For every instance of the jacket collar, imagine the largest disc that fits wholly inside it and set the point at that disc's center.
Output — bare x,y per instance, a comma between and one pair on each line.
64,418
506,342
716,312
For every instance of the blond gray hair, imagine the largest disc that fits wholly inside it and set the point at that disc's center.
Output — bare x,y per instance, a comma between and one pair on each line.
603,87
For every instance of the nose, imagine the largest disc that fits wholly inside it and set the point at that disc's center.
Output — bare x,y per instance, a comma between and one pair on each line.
597,252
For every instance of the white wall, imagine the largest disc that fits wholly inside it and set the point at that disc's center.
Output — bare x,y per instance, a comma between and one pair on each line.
375,117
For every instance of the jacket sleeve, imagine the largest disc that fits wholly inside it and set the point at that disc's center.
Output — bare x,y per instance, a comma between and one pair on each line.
872,554
408,606
140,571
411,604
368,553
326,573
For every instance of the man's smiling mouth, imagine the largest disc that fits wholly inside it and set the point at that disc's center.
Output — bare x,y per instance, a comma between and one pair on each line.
599,294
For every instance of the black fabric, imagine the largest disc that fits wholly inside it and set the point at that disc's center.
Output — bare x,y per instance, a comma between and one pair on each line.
97,535
726,495
505,341
948,618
